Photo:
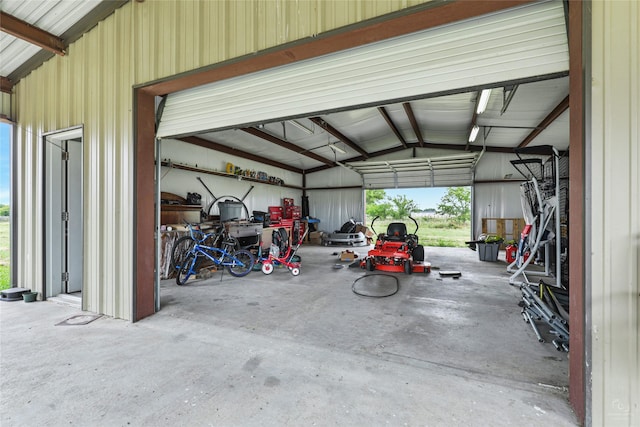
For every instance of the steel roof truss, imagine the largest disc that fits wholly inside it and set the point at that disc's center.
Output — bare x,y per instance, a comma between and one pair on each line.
32,34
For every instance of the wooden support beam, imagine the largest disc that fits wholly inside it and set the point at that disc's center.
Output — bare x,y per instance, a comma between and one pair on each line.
414,123
288,145
5,85
393,127
336,133
235,152
560,108
32,34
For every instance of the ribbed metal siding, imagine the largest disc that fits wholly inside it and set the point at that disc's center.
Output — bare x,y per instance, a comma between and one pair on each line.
92,86
5,105
508,45
615,206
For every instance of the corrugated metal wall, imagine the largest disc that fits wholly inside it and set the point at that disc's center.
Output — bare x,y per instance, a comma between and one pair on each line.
5,105
612,263
92,86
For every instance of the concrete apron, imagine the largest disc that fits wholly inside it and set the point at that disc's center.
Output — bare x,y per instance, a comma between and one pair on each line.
285,350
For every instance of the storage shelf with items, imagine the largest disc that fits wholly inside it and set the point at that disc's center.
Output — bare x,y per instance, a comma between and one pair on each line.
259,177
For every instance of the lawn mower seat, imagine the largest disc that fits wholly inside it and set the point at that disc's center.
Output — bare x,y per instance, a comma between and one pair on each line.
396,232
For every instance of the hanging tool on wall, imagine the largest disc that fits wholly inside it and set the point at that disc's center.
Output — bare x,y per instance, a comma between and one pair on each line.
215,199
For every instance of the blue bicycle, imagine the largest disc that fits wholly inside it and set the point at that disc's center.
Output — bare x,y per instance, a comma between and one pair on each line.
239,262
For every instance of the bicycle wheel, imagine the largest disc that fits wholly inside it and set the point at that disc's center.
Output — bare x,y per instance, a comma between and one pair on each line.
186,269
243,261
180,250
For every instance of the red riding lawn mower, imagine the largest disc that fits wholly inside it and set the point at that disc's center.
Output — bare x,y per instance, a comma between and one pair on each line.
396,251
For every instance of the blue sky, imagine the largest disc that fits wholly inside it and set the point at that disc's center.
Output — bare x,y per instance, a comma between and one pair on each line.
5,141
425,198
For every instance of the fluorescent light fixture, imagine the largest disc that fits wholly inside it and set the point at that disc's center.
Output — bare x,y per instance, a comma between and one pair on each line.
302,127
336,148
474,133
484,100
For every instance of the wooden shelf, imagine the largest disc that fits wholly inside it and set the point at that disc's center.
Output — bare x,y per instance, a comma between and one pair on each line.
224,174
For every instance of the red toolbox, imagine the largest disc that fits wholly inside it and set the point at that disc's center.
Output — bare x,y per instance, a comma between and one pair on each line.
292,212
276,213
287,201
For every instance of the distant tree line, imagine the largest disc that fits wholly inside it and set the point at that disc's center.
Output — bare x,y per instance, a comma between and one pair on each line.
456,203
4,210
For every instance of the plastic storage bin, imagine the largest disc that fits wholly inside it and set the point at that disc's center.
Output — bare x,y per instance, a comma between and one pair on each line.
229,210
488,251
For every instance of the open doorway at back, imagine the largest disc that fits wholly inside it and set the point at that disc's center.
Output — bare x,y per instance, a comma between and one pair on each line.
442,214
63,225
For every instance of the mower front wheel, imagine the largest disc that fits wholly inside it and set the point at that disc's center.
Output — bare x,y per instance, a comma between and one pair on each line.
408,268
369,265
295,271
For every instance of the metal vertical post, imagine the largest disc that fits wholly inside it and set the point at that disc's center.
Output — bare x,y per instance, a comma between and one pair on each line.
158,239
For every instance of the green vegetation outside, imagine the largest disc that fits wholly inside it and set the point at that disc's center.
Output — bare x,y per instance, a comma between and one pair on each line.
4,255
440,232
451,228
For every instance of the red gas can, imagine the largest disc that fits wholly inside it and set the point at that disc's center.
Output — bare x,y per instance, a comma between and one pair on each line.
511,251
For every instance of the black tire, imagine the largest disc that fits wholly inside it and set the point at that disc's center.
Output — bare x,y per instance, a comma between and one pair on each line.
408,268
230,244
180,250
186,269
369,265
418,253
246,258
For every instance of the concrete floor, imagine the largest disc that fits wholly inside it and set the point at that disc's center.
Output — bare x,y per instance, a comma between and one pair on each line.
284,350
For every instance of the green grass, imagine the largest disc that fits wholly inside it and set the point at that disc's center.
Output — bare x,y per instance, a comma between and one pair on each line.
433,231
4,255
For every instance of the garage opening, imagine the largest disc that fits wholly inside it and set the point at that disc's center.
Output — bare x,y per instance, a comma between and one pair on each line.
442,215
323,174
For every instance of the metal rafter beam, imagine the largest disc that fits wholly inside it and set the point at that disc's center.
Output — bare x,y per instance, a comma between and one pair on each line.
5,85
32,34
560,108
414,123
392,125
288,145
336,133
233,151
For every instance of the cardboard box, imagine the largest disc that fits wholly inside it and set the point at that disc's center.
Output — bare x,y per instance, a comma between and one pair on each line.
315,237
348,256
364,230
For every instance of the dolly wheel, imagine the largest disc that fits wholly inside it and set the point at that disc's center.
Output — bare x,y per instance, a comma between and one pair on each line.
295,271
267,267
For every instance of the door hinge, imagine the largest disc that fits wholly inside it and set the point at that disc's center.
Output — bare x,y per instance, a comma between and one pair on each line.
65,155
65,216
65,276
